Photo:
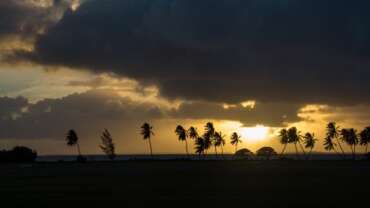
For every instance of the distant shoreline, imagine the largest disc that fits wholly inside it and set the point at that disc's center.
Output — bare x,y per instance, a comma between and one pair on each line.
164,157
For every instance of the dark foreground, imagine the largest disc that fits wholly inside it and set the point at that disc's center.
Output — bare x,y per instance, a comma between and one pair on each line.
186,183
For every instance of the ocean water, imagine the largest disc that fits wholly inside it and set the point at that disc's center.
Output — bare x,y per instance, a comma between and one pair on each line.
66,158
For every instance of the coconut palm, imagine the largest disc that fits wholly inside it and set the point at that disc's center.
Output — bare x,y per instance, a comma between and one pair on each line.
283,139
219,141
223,142
353,140
147,132
350,137
182,136
365,138
107,145
328,144
332,133
193,133
199,146
73,140
210,129
235,140
309,141
295,138
208,135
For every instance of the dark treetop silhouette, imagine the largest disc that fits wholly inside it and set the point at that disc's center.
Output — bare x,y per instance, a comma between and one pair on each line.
284,140
365,138
332,133
208,135
182,136
309,141
107,145
72,140
266,152
219,141
18,154
235,140
147,132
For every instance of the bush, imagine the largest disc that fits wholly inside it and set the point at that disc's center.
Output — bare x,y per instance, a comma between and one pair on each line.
18,154
243,154
266,152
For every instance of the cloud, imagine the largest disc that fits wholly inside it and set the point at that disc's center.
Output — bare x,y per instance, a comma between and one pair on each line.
87,112
26,18
10,107
269,114
221,50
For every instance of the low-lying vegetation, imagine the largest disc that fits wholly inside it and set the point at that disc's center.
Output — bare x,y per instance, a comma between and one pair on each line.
18,154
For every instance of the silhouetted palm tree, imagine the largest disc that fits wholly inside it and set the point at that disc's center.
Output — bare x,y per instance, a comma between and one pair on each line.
199,146
310,141
107,145
295,138
72,140
223,142
365,138
350,137
208,135
193,133
235,140
182,136
332,132
329,145
210,129
284,140
147,132
219,141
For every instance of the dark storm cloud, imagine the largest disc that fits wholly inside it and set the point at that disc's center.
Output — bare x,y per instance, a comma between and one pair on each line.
222,50
86,112
269,114
10,107
25,19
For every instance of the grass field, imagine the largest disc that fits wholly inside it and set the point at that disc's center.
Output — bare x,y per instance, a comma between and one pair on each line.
190,183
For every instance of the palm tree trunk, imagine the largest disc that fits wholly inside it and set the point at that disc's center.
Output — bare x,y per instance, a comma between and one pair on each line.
341,149
282,152
222,151
216,152
354,152
296,150
336,152
366,148
309,154
150,147
78,149
304,152
186,147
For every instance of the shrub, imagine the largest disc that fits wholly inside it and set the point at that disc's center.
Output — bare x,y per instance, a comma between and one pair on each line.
18,154
266,152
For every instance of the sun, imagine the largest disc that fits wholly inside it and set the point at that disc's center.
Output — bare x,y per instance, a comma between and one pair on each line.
256,133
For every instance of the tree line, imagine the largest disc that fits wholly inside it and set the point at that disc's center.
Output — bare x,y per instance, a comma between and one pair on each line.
334,141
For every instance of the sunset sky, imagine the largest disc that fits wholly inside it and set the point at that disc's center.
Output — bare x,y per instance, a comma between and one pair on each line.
250,66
